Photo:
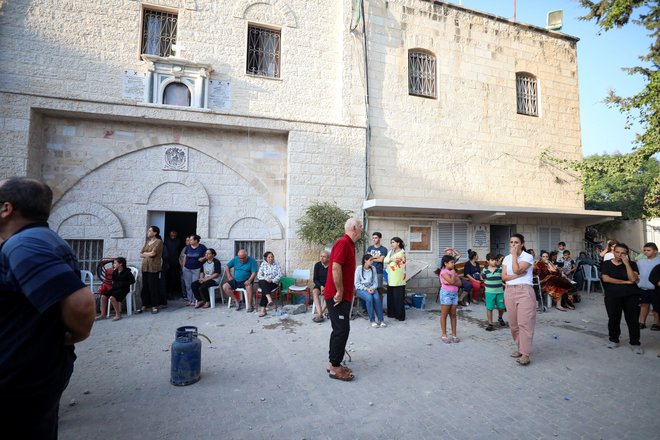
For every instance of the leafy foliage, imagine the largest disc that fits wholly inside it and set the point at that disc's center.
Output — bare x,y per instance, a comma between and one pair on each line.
620,191
323,223
627,170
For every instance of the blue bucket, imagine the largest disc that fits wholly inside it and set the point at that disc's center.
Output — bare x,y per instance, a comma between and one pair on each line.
418,300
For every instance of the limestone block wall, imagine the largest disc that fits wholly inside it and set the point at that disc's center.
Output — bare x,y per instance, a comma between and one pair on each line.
81,49
469,145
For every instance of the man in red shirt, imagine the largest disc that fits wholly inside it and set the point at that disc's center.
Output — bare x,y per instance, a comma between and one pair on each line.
338,296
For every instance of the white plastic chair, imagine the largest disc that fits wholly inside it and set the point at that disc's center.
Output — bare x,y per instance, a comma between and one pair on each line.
87,277
243,293
591,273
213,289
295,289
131,294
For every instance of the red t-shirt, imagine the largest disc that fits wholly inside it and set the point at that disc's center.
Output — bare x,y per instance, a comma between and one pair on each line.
342,253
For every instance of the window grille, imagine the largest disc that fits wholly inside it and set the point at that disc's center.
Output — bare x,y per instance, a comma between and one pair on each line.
263,52
548,239
254,248
527,94
159,32
421,74
453,235
89,252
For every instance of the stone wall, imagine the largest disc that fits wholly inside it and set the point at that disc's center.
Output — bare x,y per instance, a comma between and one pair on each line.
469,145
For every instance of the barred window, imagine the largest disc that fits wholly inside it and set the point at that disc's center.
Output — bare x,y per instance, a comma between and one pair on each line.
421,74
263,52
159,32
527,94
254,248
89,252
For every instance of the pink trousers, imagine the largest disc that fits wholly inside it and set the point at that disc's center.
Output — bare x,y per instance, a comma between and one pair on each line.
520,303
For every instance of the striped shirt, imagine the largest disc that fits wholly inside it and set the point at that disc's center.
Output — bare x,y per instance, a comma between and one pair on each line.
493,280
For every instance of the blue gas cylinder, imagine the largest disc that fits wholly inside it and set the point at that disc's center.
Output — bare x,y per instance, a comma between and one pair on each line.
186,357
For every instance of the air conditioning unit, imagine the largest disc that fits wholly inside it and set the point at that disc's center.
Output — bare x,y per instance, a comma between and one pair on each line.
555,20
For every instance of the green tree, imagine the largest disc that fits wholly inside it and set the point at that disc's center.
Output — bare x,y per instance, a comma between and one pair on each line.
644,106
619,191
323,223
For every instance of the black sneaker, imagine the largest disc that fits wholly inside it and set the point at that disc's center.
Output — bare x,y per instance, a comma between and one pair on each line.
501,322
239,306
489,328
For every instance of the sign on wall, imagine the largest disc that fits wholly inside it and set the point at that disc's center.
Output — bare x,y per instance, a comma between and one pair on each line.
133,85
175,157
480,236
219,94
419,238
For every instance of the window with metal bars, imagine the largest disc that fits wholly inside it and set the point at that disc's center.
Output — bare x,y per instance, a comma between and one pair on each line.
89,253
421,74
548,238
452,235
159,30
263,52
254,248
527,94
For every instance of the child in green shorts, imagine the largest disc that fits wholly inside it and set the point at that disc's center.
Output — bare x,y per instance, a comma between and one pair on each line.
492,276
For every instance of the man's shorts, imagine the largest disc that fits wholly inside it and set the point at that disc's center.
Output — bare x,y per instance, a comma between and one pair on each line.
234,284
647,296
448,298
495,300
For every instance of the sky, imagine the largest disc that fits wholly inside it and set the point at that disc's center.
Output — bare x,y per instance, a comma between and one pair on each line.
600,59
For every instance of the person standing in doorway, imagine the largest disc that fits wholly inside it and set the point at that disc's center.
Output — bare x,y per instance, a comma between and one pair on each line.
45,308
395,264
338,296
192,264
151,255
320,278
519,297
174,246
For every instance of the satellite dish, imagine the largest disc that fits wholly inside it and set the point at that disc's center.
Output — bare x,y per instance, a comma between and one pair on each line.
555,20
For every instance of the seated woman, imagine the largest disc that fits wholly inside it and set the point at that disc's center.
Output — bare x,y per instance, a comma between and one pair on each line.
553,282
366,288
472,272
269,279
122,278
209,275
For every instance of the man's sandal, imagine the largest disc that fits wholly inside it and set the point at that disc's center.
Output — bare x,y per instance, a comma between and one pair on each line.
516,354
341,375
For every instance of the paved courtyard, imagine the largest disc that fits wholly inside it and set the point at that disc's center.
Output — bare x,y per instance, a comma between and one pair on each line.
264,378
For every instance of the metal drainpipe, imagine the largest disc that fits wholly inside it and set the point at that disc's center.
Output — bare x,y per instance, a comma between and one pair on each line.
367,149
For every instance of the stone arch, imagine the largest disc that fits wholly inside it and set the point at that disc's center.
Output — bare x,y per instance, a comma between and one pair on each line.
289,17
64,212
62,186
201,196
271,225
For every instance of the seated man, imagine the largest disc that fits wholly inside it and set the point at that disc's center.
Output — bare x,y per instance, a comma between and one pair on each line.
245,270
320,275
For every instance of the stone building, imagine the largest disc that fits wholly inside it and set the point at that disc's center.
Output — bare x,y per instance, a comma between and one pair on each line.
228,118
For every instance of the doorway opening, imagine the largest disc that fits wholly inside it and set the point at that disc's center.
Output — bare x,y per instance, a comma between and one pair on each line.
499,238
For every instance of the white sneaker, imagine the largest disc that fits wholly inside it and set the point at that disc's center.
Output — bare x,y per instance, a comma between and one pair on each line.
383,325
637,349
373,324
612,345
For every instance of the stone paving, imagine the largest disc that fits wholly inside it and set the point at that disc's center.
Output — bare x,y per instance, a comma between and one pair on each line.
264,378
